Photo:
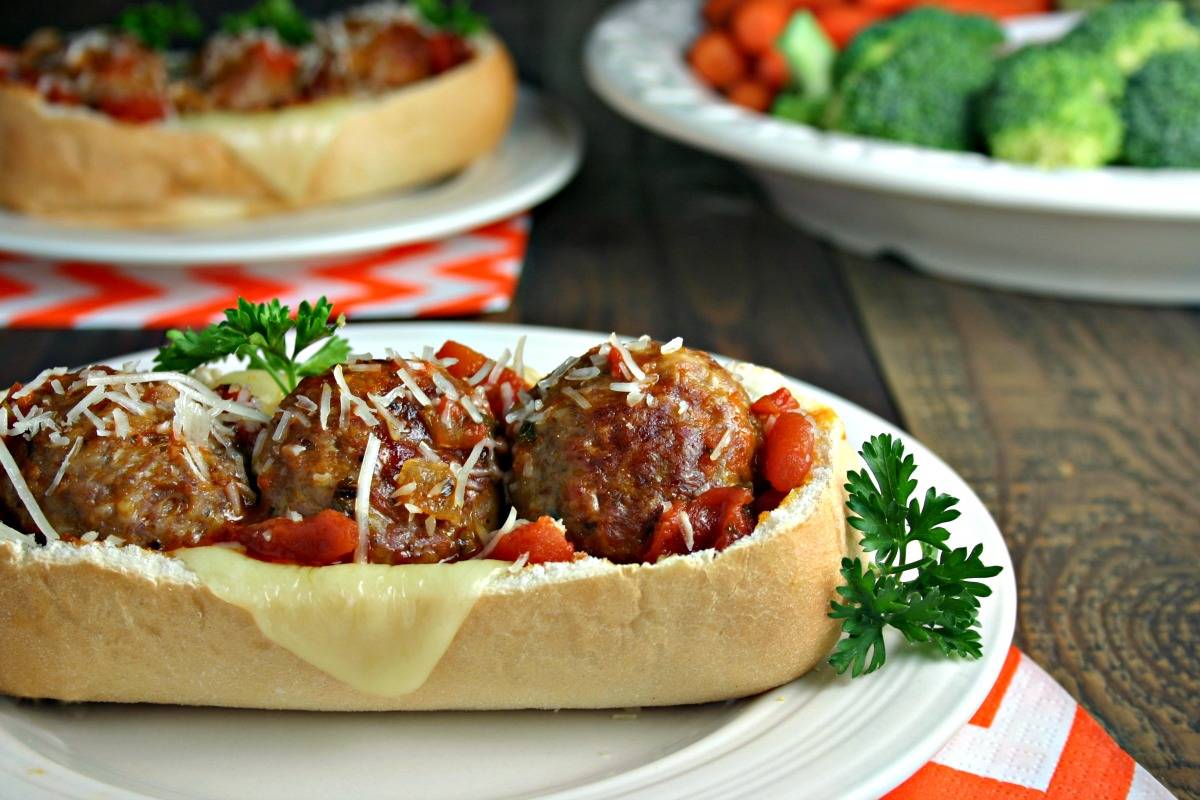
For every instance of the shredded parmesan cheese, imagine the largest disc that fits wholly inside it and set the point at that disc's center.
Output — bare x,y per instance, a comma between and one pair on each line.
689,534
519,358
323,417
62,468
22,489
579,399
362,498
120,423
412,386
671,346
471,409
721,444
627,358
460,479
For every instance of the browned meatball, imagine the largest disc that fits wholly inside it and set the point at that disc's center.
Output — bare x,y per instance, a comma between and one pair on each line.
134,461
604,453
310,459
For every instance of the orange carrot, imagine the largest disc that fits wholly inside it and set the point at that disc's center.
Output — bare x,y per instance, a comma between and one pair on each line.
756,24
772,69
842,23
716,59
716,12
751,94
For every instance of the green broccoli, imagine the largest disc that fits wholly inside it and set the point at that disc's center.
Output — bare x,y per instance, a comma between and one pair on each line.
1128,33
1054,106
810,55
882,40
915,79
1162,112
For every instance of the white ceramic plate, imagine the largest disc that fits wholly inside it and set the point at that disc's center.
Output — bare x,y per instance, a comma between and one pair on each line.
1114,233
819,737
539,155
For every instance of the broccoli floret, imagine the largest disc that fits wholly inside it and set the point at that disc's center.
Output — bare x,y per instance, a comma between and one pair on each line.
1128,33
882,40
1054,107
1162,112
915,80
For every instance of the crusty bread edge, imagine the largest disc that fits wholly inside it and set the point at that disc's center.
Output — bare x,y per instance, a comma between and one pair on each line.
128,625
83,167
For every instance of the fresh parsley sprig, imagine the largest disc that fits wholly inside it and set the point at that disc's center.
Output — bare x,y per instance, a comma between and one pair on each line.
454,16
159,24
932,599
257,333
277,15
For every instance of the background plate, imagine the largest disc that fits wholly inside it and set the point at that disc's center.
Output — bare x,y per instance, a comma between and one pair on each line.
539,155
1115,233
819,737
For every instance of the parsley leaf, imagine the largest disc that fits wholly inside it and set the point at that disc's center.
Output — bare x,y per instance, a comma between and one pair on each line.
159,24
454,16
933,599
277,15
257,333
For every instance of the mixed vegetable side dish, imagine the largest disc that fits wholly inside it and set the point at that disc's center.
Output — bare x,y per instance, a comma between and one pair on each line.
1119,88
267,57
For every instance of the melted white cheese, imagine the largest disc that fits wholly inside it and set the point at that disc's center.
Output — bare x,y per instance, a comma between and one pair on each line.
380,629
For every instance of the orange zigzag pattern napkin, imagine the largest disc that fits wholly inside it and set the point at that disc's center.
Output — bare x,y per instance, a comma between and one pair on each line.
471,273
1030,740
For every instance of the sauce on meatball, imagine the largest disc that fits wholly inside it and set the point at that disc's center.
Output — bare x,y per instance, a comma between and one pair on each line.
434,492
612,437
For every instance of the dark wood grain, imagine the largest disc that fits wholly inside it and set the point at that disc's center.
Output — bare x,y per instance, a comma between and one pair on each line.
1079,426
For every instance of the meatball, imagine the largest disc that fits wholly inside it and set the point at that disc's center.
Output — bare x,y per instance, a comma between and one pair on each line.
133,460
425,505
604,447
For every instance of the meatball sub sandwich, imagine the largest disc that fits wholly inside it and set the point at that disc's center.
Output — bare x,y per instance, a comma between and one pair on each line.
641,526
274,112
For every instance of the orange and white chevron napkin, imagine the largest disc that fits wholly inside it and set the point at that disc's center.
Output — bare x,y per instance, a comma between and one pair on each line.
1028,741
471,273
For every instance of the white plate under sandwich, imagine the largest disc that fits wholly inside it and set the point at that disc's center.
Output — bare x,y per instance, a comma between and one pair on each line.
822,736
537,157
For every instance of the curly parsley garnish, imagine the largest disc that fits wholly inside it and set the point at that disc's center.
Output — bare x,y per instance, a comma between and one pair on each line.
158,24
276,15
256,332
933,598
454,16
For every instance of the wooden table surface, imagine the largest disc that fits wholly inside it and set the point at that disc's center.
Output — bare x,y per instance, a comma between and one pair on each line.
1078,424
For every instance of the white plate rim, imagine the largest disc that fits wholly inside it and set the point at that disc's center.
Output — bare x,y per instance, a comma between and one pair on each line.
667,775
537,114
633,60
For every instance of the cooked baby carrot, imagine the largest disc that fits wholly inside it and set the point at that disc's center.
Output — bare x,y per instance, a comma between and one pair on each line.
756,24
842,23
716,60
716,12
772,69
751,94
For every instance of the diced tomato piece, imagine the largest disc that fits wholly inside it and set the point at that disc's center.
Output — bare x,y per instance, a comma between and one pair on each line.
327,537
788,451
542,539
135,108
469,362
452,427
777,402
616,365
446,51
768,501
717,518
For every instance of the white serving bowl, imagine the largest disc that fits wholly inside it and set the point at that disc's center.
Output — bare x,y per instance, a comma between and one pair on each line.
1116,233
